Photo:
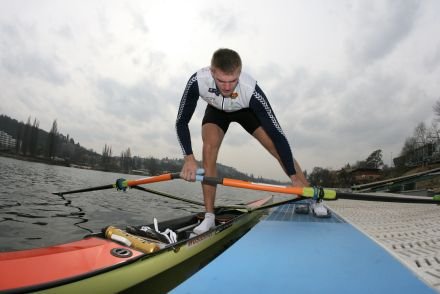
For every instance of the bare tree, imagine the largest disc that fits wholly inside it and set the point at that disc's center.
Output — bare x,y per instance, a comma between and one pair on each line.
25,144
421,134
52,140
126,161
433,132
436,108
106,157
409,146
33,141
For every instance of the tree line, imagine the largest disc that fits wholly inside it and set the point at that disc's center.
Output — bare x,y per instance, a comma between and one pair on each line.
31,141
54,147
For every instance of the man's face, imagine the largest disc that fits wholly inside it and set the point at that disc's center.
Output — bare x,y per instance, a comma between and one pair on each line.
226,82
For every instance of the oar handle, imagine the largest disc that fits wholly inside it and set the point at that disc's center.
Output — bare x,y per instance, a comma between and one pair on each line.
302,191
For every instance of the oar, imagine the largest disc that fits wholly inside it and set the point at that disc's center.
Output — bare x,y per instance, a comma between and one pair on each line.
308,192
238,206
85,190
122,184
168,195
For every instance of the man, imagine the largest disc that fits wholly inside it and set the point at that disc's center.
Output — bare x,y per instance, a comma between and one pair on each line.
232,96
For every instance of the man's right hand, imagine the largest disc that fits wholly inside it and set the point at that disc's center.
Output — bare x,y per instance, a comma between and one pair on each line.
298,181
189,168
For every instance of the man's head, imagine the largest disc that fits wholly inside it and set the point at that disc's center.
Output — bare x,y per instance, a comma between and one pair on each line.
226,60
226,69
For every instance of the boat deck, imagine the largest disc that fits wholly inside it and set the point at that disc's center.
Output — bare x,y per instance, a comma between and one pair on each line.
410,232
289,252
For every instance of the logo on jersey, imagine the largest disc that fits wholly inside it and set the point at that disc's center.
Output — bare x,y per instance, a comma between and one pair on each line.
234,95
214,90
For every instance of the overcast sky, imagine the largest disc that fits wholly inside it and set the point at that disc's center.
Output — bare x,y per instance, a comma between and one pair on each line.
344,77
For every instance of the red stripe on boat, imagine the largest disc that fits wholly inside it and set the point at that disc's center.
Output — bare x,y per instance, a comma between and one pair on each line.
43,265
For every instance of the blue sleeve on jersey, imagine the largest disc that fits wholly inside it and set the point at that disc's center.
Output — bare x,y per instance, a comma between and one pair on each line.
261,107
187,107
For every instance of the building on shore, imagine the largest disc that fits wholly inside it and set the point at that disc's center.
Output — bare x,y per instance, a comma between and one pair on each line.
6,141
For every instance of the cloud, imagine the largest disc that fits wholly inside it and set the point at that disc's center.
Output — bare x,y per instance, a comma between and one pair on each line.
22,56
221,20
379,27
138,21
432,60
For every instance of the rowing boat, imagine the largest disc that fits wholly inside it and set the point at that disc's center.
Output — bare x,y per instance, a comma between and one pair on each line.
136,258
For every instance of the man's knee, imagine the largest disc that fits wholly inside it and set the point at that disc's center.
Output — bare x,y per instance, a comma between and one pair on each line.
211,147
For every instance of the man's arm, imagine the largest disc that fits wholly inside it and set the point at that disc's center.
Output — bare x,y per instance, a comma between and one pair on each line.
187,107
261,107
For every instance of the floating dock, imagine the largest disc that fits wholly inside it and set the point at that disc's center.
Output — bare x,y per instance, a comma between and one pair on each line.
365,247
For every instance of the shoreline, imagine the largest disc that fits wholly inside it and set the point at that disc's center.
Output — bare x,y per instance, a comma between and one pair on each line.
34,159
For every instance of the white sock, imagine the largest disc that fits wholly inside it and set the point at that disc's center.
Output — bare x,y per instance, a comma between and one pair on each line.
207,224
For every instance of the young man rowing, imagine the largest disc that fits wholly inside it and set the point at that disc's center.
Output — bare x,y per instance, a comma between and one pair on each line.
232,96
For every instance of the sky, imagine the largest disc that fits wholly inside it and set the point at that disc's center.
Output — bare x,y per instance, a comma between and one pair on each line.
344,78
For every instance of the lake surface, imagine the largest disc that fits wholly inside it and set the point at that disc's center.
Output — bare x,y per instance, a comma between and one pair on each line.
31,216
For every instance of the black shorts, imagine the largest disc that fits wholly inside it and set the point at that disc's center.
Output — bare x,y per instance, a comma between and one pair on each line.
245,117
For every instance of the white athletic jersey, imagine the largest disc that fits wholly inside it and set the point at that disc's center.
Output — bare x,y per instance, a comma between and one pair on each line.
240,98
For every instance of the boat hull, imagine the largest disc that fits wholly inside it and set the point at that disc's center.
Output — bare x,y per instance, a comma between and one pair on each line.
155,271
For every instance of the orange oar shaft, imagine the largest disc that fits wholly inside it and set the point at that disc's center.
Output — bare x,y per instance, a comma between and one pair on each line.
301,191
262,187
154,179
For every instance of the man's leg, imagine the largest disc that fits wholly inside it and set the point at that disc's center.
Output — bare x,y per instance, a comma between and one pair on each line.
212,136
261,135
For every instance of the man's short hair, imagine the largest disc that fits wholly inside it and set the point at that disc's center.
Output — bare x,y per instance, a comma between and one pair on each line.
226,60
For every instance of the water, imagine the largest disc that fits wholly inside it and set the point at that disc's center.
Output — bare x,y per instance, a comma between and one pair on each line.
31,216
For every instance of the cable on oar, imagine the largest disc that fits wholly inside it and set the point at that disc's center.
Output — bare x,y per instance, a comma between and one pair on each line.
168,195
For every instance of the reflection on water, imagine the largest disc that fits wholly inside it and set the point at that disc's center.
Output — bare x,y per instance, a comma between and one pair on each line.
31,216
